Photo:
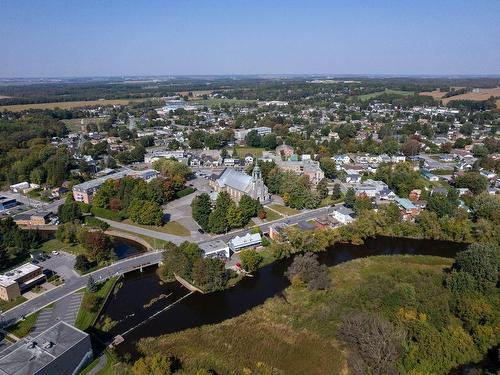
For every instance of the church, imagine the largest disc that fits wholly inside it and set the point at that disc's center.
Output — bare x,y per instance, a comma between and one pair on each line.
237,184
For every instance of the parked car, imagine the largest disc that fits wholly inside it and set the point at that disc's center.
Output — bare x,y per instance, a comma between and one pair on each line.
201,231
55,252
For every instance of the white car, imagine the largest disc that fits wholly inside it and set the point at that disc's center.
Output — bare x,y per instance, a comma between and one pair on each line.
55,252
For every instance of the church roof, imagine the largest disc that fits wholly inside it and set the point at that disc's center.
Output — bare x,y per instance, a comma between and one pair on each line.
237,180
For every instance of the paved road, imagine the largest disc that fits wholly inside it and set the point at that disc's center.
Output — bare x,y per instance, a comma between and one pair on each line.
126,265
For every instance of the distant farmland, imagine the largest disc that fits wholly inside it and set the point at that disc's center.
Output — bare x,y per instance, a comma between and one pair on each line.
483,94
68,105
436,94
387,91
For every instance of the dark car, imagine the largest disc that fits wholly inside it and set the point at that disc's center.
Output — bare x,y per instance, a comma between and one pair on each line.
201,231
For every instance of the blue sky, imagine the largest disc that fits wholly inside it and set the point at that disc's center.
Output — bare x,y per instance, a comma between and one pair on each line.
88,38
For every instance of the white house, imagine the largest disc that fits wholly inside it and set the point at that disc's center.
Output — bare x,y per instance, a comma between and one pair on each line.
343,214
247,241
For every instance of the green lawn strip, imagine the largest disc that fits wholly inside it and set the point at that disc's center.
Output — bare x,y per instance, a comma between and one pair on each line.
172,227
254,151
155,243
271,215
210,102
7,305
287,211
23,327
92,303
57,245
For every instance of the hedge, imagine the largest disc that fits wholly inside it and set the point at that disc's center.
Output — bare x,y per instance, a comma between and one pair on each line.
107,214
94,222
184,192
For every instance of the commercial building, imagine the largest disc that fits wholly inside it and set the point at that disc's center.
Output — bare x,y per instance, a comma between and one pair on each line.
309,168
247,241
61,349
240,135
38,218
237,184
85,191
215,249
157,155
15,281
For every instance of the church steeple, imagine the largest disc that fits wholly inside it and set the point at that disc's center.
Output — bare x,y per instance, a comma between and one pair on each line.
256,174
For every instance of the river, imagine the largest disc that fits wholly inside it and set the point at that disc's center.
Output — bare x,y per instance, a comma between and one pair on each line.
143,294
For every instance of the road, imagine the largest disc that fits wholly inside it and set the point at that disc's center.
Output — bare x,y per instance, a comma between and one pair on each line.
129,264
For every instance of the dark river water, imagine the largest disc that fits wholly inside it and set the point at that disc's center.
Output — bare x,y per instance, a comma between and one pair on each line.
125,248
135,300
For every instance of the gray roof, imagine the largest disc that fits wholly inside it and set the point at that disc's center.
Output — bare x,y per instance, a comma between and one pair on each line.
213,246
237,180
19,359
344,210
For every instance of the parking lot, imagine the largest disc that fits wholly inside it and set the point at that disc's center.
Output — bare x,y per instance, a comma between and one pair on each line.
61,264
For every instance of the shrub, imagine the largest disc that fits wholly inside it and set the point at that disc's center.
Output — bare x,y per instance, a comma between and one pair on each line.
307,268
375,344
482,262
184,192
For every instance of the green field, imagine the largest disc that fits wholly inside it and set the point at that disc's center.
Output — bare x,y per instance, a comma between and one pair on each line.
294,332
212,102
7,305
256,152
387,91
172,227
271,215
23,327
57,245
91,304
284,210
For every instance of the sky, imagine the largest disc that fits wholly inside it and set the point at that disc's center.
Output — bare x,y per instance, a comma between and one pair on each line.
70,38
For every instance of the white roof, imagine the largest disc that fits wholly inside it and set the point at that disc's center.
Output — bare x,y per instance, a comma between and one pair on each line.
11,277
247,240
237,180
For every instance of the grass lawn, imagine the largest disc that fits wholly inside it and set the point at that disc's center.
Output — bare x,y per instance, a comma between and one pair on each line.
271,215
287,211
7,305
23,327
387,91
329,201
91,304
57,245
155,243
172,227
254,151
106,370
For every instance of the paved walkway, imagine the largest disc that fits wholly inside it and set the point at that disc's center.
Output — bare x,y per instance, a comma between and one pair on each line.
66,309
100,365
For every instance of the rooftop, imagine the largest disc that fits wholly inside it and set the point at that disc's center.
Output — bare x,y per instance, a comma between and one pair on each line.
10,277
114,176
31,354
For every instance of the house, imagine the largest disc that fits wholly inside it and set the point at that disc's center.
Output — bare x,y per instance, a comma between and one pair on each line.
245,242
429,176
60,349
284,150
215,249
20,187
18,280
408,209
343,215
277,232
341,159
237,184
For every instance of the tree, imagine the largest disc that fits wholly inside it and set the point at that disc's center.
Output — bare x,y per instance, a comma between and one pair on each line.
441,205
82,264
250,260
91,285
69,212
269,141
328,166
217,221
249,207
145,212
97,244
155,364
482,262
487,206
253,139
472,180
350,198
209,274
322,188
411,147
234,216
201,208
362,203
170,168
336,192
307,269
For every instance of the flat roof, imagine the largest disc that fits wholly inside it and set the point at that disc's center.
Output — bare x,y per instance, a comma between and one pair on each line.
114,176
31,354
10,277
213,246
